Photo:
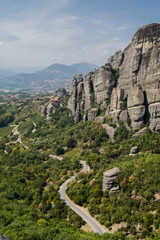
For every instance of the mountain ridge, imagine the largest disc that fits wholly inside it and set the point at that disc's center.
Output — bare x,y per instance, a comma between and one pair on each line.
41,79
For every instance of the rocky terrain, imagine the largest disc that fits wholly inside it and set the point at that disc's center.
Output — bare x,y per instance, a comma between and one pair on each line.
127,87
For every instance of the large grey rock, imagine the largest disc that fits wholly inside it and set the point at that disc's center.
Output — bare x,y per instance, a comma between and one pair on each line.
136,107
137,116
154,110
109,178
60,93
117,99
110,131
72,102
100,119
103,83
134,150
116,59
135,96
51,108
124,118
88,89
141,62
139,133
153,95
114,191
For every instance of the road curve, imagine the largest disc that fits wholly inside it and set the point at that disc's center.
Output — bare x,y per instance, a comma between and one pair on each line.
96,227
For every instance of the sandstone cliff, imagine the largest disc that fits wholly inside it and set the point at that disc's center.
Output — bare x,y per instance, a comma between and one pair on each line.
130,82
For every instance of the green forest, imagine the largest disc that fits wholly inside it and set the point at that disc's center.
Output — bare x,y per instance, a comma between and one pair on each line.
30,205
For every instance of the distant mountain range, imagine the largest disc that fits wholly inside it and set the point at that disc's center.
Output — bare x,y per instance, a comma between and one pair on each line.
5,73
52,77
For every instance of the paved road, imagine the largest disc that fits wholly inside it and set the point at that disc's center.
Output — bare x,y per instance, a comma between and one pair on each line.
96,227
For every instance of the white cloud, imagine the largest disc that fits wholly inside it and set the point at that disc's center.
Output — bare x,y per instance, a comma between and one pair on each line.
122,28
52,35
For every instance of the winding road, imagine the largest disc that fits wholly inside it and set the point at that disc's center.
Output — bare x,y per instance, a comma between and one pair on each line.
96,227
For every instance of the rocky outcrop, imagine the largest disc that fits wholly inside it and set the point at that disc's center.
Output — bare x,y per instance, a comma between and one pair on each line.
60,93
124,117
116,60
141,59
134,150
95,87
139,133
100,119
109,181
134,90
51,108
115,107
110,131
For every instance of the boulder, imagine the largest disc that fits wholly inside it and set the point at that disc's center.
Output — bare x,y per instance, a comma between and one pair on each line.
139,133
60,93
109,178
134,150
114,191
100,119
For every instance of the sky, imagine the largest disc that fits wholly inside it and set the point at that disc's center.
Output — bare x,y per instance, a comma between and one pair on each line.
38,33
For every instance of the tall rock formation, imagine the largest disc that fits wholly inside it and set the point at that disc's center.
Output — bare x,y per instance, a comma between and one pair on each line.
134,94
95,87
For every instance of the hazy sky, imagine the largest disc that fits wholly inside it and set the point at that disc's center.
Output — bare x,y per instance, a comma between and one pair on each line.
43,32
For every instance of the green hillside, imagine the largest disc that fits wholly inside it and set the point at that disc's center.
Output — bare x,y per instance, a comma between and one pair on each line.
30,205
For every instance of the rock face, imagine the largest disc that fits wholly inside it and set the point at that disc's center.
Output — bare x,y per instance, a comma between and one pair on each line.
116,60
134,93
43,111
139,133
109,181
60,93
95,87
51,108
